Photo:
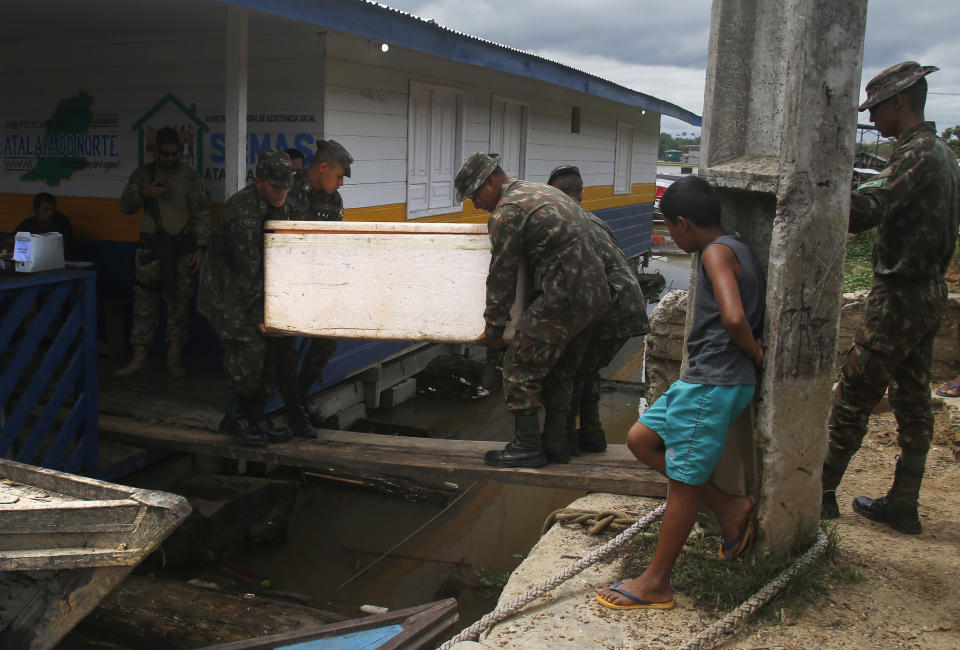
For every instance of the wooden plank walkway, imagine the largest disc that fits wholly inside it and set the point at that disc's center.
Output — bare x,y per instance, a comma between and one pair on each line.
425,461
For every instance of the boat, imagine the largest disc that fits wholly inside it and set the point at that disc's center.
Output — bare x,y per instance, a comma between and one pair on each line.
65,542
412,628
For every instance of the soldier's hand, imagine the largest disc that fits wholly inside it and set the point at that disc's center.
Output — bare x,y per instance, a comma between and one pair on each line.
153,190
196,259
264,332
490,344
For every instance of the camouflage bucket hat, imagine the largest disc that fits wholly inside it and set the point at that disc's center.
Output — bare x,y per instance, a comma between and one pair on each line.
562,170
274,165
338,153
474,172
893,80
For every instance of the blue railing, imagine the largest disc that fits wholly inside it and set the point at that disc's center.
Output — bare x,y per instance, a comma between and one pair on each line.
48,369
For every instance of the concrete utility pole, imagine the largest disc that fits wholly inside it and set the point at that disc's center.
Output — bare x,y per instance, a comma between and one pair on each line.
780,116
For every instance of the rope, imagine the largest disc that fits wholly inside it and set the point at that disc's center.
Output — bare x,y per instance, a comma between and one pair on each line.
706,639
729,623
508,609
596,520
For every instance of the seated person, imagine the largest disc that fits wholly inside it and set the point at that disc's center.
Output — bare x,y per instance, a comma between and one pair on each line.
46,218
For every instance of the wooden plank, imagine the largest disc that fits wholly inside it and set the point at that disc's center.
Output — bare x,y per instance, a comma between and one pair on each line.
424,460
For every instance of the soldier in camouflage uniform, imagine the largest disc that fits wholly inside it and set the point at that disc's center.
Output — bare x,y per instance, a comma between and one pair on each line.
554,235
315,197
915,205
176,224
625,318
230,295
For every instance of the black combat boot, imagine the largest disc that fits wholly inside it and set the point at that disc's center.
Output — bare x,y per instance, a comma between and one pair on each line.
834,465
899,507
243,429
525,450
313,412
293,407
592,437
555,436
271,432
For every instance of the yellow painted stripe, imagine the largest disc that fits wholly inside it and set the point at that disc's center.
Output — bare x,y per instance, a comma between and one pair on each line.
101,217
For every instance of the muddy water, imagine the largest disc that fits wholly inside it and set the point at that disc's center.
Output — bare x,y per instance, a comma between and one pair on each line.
338,529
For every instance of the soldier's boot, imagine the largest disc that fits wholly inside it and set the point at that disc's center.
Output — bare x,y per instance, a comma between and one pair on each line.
264,424
899,507
592,437
305,382
238,424
834,465
525,450
137,364
175,361
573,442
298,419
555,443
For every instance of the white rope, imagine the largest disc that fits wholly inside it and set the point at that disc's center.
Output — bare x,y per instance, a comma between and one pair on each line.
508,609
706,639
735,619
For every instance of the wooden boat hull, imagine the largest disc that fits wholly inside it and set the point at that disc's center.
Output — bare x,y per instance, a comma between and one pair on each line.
65,542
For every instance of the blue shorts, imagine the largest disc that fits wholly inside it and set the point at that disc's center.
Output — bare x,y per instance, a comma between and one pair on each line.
693,421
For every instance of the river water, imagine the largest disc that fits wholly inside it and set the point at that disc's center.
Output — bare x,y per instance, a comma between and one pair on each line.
466,551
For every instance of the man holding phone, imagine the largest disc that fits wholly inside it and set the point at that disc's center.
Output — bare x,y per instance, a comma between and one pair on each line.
173,238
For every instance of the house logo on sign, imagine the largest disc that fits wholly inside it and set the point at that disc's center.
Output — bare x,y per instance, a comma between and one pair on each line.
170,112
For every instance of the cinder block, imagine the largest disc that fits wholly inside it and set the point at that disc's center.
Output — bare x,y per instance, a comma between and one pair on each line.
398,394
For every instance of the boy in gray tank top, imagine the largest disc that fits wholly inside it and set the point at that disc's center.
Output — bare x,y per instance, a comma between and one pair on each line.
683,433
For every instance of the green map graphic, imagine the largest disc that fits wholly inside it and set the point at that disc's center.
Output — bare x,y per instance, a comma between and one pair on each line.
73,115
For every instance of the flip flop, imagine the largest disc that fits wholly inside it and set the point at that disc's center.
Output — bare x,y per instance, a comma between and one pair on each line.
950,386
731,550
639,603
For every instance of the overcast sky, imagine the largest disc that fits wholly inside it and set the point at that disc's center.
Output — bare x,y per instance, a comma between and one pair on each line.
660,48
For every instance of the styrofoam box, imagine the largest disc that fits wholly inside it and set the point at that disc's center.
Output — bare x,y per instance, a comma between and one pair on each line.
380,280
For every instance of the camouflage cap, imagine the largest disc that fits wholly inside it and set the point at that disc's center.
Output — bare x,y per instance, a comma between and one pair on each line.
474,172
338,153
893,80
562,170
274,165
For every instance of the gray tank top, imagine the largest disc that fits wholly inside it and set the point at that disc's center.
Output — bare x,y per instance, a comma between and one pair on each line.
712,357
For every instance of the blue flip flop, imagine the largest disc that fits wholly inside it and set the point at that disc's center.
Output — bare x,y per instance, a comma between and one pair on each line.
639,603
950,386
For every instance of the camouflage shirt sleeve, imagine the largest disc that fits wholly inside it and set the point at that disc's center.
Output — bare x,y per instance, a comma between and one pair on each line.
248,264
506,251
892,189
132,198
199,204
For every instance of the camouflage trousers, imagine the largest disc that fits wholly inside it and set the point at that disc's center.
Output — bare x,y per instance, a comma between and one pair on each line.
586,383
893,348
315,360
148,291
253,365
539,372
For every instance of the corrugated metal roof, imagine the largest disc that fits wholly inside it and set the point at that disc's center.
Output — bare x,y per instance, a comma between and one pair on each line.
397,27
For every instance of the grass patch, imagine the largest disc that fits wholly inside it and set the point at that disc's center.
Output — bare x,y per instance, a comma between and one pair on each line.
858,268
722,586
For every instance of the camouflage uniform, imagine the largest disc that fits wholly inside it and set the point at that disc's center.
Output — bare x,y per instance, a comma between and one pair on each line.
317,205
554,234
231,289
161,264
915,205
625,318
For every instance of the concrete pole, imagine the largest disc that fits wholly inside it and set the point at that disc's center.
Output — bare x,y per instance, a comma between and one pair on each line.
778,140
236,102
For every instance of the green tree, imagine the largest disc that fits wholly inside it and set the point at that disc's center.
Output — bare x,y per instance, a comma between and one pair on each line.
951,136
668,142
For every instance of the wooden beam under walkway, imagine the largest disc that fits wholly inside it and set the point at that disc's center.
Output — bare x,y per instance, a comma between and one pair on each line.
421,460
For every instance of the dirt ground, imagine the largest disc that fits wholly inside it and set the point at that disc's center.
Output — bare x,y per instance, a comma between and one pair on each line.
909,595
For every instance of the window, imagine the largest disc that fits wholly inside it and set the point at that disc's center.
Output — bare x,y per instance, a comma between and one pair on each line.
623,160
508,134
575,119
434,149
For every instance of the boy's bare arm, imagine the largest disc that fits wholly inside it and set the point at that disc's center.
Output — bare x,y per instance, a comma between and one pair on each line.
723,269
